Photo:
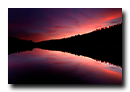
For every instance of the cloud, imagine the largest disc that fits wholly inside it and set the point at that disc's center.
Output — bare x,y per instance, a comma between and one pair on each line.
115,21
61,27
51,23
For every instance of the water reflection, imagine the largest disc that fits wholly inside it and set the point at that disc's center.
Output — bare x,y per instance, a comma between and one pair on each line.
45,66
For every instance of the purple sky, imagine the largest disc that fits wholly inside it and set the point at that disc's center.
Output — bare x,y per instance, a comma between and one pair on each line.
38,24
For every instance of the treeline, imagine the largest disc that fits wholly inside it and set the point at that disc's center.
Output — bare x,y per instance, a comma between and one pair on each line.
103,44
104,37
19,45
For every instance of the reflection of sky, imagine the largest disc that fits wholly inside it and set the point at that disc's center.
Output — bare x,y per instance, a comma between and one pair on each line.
114,68
49,23
83,68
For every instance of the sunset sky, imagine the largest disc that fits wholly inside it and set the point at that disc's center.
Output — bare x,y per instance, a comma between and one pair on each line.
39,24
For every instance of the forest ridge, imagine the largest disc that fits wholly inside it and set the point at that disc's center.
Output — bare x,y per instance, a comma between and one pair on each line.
110,37
107,42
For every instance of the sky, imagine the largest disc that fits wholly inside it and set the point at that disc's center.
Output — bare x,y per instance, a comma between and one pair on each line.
39,24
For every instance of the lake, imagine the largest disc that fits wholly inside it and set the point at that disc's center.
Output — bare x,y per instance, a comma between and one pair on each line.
52,67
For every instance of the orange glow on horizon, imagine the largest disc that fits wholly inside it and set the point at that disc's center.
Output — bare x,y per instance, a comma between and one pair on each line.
73,22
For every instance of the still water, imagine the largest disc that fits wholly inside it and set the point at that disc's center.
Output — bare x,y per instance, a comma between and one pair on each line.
45,66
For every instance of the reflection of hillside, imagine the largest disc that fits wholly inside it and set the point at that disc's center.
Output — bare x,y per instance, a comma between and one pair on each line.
19,45
103,44
111,55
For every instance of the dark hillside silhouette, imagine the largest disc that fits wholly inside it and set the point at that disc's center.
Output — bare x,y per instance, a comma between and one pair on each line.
106,37
19,45
104,44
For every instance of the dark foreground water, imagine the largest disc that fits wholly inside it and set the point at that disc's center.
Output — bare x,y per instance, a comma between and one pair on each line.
46,66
